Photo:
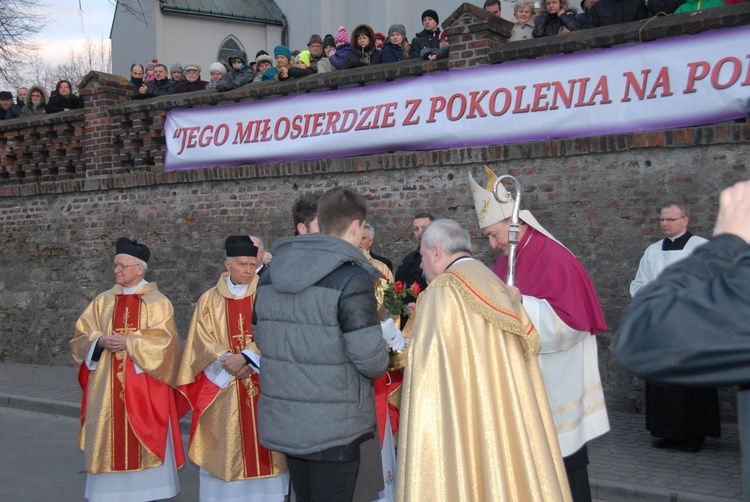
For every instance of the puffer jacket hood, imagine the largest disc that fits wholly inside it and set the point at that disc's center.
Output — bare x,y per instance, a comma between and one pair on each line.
36,87
330,253
370,33
238,54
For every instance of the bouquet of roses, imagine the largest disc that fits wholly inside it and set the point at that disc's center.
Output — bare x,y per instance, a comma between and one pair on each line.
392,296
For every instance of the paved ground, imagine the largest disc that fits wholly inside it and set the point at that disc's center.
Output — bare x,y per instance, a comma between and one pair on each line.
624,466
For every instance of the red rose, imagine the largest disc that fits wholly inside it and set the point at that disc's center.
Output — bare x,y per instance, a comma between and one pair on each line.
415,289
383,277
398,286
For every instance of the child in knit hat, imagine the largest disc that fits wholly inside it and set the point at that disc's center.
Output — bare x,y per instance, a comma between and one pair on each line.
439,53
301,67
343,47
150,70
379,41
341,37
303,60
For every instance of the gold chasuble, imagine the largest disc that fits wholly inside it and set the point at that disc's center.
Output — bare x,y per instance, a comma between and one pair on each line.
126,412
224,435
382,267
475,421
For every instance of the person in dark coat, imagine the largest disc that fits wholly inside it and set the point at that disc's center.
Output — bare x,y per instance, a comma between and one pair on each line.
608,12
364,52
396,48
679,416
136,75
21,97
63,98
8,109
691,325
192,81
555,20
441,53
161,85
238,75
410,270
429,37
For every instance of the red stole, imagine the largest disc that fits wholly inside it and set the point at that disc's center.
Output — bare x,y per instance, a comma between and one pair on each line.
548,271
384,387
257,460
126,454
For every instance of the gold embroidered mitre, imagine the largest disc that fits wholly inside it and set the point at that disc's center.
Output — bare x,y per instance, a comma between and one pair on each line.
490,211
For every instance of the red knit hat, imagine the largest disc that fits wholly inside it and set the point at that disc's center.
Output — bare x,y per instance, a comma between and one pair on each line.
341,36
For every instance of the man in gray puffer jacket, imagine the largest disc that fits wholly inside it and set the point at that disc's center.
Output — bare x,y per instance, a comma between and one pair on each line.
316,325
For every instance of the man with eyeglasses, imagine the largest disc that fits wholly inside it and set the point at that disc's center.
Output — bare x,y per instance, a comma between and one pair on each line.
128,351
677,416
219,374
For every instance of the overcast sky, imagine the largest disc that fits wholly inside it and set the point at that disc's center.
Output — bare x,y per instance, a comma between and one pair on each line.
68,26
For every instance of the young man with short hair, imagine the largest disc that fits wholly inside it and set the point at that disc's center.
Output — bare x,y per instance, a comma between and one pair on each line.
316,324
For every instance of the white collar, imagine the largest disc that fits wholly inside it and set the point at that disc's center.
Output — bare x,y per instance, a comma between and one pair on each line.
236,289
130,291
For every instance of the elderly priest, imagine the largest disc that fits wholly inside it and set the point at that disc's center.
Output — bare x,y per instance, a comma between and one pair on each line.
219,375
127,347
475,422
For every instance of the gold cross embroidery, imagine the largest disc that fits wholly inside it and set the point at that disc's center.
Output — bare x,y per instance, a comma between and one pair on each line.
242,334
127,328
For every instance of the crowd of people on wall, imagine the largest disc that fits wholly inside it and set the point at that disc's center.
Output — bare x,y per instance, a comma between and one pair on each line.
35,100
362,47
343,50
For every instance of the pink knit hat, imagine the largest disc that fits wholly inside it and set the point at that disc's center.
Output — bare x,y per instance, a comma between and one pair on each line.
341,36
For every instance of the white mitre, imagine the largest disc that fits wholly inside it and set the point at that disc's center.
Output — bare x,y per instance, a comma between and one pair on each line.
490,210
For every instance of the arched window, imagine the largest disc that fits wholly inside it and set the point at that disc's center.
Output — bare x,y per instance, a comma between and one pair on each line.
229,45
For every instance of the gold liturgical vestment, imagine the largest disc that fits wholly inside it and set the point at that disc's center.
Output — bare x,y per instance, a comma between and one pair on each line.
475,421
224,438
125,414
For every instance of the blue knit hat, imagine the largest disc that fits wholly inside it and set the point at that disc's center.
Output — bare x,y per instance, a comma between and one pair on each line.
282,50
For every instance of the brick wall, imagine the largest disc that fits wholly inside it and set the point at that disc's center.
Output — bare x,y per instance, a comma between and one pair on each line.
72,183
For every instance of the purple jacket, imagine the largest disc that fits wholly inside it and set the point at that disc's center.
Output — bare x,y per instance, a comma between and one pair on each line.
337,59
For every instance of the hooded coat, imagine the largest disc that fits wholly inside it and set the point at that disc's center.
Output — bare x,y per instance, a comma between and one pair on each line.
316,324
29,109
362,56
236,78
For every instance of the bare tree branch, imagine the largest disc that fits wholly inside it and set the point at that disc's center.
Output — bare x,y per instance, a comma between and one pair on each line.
133,7
19,21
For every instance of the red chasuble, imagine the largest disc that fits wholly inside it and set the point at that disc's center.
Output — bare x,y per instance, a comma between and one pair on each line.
548,271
